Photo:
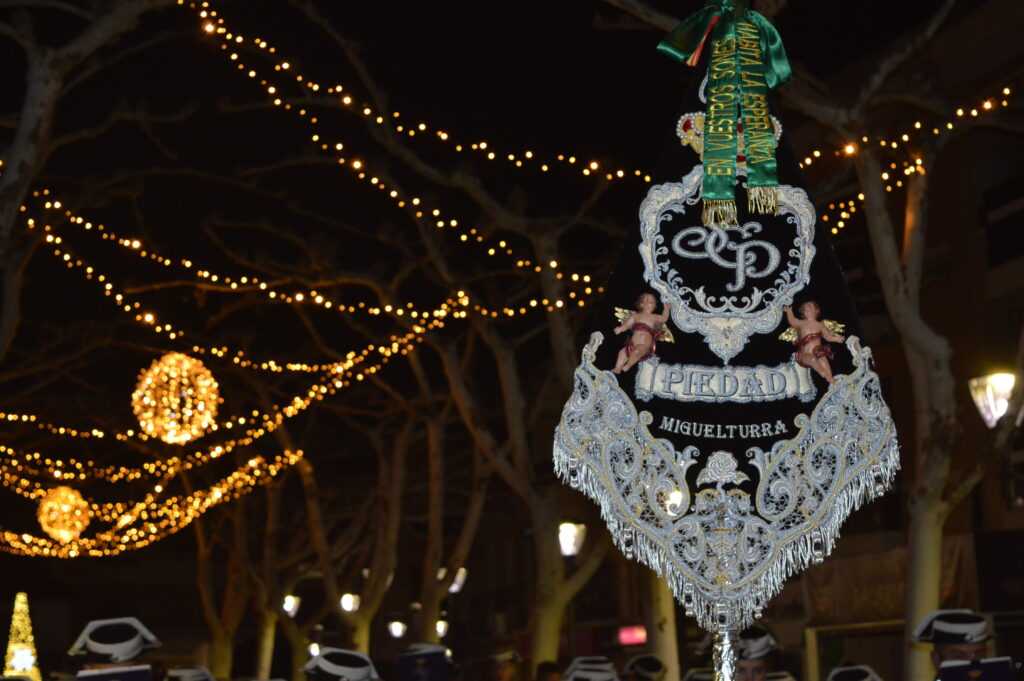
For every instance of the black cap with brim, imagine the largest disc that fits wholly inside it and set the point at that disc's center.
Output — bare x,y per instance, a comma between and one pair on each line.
952,627
335,664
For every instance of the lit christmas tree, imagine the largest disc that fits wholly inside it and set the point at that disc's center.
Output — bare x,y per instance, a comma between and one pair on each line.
21,657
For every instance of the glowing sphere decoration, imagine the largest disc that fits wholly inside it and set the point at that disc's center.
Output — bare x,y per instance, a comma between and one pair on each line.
176,399
63,513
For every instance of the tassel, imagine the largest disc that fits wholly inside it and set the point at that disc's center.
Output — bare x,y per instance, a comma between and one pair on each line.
720,213
763,200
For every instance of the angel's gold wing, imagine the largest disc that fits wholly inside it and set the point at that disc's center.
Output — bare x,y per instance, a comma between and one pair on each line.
791,336
622,314
835,327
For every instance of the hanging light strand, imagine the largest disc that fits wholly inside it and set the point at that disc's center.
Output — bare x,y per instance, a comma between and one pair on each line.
22,473
274,294
152,518
212,24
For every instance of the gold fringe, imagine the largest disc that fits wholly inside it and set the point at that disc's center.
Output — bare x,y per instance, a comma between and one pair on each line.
720,213
763,200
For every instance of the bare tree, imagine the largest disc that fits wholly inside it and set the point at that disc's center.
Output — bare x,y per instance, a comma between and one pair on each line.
50,73
223,614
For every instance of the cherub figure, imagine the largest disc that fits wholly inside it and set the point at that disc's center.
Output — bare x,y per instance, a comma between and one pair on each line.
646,328
811,352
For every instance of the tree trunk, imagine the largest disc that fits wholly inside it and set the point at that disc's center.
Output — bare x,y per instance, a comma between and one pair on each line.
430,588
265,643
547,629
360,633
550,597
924,578
429,614
299,650
221,656
661,625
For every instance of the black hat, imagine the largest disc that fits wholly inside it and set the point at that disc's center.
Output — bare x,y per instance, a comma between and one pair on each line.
647,667
595,668
335,664
755,643
952,626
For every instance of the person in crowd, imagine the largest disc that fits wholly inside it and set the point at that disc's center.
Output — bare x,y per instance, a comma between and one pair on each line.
955,634
755,652
505,666
549,671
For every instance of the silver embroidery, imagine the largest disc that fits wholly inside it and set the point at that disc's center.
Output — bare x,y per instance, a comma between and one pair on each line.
697,383
725,551
725,321
711,241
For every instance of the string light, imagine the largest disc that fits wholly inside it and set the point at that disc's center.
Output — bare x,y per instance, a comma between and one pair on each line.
989,104
20,472
154,322
229,40
63,514
838,215
125,302
412,204
134,526
176,399
213,24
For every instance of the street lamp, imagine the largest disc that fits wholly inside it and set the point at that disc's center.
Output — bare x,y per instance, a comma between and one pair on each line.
397,628
442,628
458,581
570,538
314,649
291,604
349,602
991,395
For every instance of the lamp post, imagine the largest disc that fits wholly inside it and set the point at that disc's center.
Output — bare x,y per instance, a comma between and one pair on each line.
991,396
570,538
349,602
291,604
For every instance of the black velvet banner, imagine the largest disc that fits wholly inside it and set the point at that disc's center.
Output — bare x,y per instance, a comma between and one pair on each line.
727,453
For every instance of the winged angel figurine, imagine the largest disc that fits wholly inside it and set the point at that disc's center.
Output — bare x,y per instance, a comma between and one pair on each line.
645,328
724,460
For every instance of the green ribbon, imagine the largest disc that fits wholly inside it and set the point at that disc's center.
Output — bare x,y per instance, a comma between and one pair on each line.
747,60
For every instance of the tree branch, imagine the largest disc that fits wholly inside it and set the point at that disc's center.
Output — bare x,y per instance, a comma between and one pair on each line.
894,60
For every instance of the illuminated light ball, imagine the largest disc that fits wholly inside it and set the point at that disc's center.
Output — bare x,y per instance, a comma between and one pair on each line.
176,399
63,514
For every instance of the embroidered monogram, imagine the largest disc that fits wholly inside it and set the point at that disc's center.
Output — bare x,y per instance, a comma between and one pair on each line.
756,279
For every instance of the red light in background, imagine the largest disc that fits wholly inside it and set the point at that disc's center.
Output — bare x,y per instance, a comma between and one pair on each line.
632,636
